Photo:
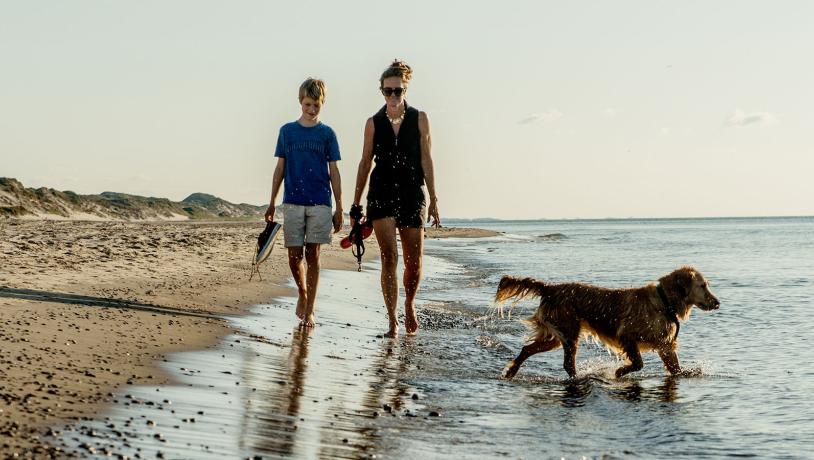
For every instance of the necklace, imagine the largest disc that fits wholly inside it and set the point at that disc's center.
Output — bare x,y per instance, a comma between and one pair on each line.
396,120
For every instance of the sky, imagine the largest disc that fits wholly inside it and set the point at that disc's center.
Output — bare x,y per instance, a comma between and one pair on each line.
538,109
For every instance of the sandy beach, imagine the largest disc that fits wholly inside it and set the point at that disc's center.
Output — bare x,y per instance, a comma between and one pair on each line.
91,307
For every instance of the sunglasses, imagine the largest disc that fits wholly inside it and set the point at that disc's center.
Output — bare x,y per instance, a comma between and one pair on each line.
391,91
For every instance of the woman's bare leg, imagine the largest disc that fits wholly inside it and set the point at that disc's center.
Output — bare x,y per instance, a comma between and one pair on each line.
385,230
412,247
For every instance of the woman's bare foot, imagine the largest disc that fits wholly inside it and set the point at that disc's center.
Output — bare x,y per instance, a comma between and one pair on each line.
301,301
309,321
393,332
410,320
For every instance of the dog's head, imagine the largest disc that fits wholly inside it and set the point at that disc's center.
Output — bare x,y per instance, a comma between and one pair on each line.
687,287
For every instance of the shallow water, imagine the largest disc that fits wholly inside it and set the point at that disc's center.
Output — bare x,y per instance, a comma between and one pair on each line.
750,384
343,392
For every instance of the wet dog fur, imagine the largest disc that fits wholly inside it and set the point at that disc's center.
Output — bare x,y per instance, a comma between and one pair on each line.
628,321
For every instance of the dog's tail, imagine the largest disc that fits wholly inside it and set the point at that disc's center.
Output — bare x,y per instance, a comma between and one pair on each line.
518,289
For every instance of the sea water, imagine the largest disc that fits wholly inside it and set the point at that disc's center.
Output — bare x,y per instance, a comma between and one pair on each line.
344,391
752,374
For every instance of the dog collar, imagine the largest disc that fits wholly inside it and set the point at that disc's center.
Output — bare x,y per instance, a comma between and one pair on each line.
663,297
671,311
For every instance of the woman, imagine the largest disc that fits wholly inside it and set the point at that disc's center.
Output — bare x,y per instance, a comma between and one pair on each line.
397,138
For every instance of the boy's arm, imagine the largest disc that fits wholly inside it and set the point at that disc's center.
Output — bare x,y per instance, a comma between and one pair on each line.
427,166
276,181
336,186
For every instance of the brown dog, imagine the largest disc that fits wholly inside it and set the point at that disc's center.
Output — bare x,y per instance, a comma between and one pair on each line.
629,321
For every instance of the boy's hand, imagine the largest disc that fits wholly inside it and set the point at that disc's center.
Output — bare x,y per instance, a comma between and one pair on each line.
270,213
339,218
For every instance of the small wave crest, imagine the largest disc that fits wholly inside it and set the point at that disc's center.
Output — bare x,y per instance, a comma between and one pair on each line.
492,342
706,369
551,237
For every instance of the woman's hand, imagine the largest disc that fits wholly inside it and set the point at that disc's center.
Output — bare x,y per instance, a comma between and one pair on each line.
356,213
432,214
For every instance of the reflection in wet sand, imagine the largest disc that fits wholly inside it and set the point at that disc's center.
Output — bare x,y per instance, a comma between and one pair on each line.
277,404
326,396
388,392
320,400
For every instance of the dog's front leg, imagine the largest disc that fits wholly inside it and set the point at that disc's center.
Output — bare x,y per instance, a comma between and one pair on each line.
670,359
634,356
513,366
539,346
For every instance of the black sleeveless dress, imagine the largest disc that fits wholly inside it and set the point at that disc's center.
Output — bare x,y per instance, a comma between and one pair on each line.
396,181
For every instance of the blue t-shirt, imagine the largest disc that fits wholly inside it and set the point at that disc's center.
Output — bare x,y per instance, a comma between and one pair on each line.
307,152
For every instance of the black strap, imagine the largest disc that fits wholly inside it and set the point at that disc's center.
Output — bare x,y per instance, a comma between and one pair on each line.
669,309
358,241
356,212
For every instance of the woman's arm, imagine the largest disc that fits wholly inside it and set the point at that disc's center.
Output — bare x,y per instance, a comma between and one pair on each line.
365,163
427,166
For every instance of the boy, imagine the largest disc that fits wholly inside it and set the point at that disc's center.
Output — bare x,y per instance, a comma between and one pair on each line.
307,152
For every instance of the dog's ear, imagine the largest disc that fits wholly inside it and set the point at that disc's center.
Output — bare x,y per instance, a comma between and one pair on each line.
684,282
679,283
681,290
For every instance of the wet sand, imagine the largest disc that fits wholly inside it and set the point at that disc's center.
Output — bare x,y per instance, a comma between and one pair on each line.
271,389
88,308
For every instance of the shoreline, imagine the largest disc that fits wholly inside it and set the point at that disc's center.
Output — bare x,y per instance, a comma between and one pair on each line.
89,307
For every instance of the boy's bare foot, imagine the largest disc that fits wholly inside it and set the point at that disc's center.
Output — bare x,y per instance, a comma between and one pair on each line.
410,320
301,301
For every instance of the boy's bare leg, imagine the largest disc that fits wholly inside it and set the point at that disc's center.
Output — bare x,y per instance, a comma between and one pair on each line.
412,246
385,230
312,277
297,265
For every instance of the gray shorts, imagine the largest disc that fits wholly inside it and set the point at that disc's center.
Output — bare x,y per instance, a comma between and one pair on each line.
307,224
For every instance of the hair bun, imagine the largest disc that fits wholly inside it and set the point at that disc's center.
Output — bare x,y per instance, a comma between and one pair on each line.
398,68
400,64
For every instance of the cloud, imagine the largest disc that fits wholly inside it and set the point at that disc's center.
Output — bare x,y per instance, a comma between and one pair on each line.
610,112
545,117
741,118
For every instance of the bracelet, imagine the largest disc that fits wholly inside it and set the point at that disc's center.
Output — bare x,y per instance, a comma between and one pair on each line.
355,211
